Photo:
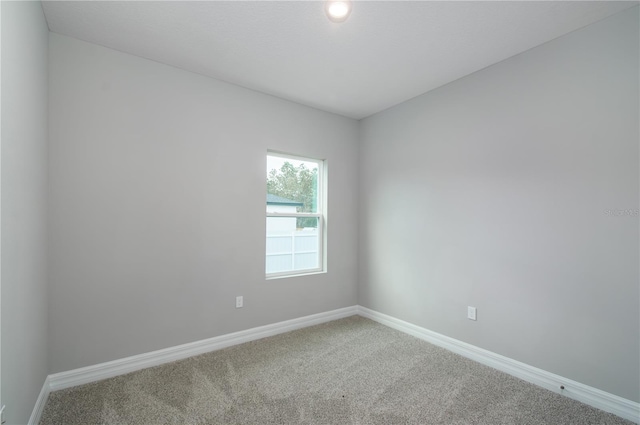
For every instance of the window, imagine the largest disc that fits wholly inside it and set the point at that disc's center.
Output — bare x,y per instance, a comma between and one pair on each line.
295,216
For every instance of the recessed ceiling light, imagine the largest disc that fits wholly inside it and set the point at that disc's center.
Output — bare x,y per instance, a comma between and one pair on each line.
338,10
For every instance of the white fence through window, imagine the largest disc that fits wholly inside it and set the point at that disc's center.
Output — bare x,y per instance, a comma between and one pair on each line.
295,250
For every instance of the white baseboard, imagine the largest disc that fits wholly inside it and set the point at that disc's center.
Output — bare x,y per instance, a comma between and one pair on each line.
40,403
113,368
599,399
592,396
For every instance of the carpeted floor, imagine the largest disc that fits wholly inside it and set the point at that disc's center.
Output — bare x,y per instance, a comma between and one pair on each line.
350,371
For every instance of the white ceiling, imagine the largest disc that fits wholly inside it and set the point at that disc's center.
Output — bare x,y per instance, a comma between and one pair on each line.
385,53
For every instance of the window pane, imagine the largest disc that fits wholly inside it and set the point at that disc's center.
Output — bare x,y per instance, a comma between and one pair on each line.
292,185
290,247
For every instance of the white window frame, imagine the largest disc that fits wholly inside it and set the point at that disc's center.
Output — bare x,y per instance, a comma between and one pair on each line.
320,215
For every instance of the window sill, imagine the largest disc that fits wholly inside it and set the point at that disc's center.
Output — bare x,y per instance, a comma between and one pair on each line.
304,273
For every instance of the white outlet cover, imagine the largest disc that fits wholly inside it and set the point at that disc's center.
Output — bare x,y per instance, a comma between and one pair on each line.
239,302
471,313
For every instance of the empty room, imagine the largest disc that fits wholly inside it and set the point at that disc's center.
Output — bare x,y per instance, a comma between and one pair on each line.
450,234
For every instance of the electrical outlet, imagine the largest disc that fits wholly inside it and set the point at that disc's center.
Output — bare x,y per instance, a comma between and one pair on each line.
239,302
471,313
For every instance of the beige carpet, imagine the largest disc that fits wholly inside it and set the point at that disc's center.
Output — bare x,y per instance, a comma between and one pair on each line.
350,371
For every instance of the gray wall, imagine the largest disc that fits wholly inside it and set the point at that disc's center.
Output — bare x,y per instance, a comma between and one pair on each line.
493,191
24,207
158,181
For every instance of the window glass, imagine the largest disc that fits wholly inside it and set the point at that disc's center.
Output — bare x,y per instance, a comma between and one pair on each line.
294,215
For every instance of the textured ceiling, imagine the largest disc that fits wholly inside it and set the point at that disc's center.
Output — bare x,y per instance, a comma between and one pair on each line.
387,52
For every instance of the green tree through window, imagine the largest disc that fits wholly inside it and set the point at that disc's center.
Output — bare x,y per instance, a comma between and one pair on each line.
298,184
